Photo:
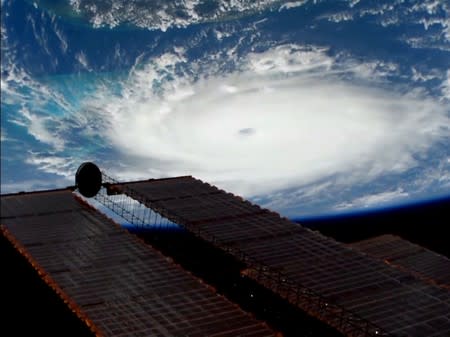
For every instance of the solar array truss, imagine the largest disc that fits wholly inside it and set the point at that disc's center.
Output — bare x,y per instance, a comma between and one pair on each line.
423,263
351,291
115,283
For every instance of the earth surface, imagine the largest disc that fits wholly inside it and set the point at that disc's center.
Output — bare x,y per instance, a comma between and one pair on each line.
305,107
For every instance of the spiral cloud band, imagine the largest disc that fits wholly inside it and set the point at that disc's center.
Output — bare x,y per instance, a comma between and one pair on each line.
286,126
286,117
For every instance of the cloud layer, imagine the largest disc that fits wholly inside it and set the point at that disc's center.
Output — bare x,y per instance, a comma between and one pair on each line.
285,118
256,112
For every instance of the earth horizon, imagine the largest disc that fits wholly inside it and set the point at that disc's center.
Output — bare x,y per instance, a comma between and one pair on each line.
309,108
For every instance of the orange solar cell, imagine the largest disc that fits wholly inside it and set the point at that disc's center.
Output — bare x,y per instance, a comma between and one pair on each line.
114,282
358,294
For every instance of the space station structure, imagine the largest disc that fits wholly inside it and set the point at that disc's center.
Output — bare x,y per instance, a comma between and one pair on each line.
383,286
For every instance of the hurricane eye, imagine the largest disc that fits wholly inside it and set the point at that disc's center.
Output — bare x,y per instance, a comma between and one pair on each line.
246,132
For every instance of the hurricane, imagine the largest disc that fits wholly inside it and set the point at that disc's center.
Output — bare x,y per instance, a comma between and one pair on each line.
306,107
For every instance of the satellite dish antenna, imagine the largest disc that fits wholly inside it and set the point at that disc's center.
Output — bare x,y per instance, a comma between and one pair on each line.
88,179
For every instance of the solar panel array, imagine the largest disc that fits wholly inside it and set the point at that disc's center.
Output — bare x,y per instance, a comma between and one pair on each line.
357,294
117,284
401,253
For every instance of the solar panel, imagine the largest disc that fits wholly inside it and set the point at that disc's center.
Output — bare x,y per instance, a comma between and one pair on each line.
114,282
424,263
358,294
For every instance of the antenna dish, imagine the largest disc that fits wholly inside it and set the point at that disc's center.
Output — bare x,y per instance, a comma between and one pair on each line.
88,179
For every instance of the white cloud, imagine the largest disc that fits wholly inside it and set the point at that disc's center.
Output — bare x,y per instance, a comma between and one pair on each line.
306,123
374,199
34,185
164,14
292,4
353,3
4,135
424,77
62,38
82,59
446,28
285,201
37,127
438,173
64,167
446,86
338,17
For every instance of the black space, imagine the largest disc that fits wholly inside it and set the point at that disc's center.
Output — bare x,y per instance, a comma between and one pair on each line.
426,224
29,307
